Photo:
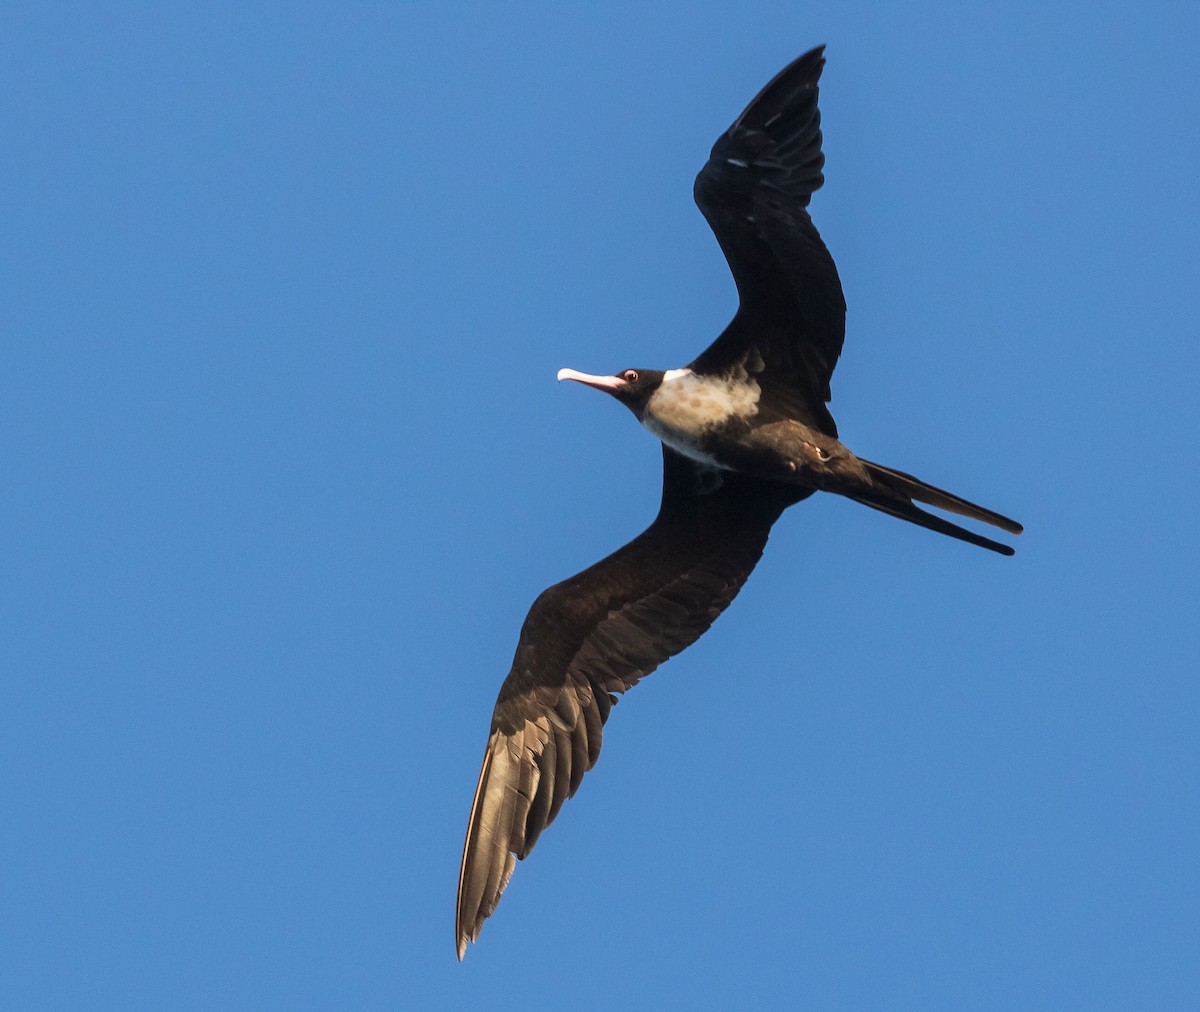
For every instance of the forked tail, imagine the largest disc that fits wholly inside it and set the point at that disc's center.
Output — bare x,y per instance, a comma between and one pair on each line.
897,491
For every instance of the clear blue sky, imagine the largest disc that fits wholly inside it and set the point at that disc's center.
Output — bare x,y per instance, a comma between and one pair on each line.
284,464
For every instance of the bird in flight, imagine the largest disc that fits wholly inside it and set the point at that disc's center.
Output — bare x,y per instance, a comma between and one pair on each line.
745,433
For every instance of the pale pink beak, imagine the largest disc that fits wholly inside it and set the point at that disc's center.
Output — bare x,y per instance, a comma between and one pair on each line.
611,384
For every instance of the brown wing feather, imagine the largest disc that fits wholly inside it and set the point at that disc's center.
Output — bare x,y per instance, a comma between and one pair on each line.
594,635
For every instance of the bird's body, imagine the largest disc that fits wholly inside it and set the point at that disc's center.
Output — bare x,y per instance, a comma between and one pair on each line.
746,433
715,421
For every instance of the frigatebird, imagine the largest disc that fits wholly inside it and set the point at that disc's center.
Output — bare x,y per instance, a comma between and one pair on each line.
746,433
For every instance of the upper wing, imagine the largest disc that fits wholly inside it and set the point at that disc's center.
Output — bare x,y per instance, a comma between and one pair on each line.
597,634
754,191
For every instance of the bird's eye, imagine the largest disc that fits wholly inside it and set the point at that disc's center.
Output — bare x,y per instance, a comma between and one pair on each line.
630,376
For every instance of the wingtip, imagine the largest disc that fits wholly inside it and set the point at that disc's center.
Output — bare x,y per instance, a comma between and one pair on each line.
814,56
460,936
781,92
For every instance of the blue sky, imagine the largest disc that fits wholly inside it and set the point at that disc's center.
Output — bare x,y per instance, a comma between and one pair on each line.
284,464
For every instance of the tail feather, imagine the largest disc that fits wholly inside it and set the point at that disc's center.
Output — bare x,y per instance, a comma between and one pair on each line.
905,510
909,487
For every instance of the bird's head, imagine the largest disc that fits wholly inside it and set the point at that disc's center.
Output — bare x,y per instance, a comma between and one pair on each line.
632,387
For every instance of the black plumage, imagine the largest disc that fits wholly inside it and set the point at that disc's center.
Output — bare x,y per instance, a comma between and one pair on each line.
754,192
746,434
596,634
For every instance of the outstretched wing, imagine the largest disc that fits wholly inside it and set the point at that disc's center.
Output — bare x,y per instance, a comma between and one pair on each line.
754,191
597,634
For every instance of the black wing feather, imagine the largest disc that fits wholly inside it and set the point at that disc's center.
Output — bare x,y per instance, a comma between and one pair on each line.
754,191
594,635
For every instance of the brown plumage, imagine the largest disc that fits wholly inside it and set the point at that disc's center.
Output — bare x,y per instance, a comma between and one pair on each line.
594,635
746,434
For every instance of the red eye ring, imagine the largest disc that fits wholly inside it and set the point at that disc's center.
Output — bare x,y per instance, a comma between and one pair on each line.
630,376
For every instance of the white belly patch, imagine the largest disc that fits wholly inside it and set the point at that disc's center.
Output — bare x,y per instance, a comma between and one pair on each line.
678,441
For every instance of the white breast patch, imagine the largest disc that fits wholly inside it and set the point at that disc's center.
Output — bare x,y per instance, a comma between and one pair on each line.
686,406
689,402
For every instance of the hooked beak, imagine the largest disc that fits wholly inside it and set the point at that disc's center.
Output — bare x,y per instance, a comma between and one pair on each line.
609,384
